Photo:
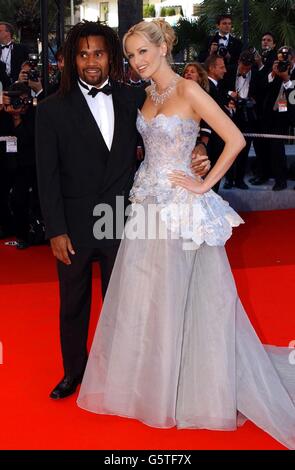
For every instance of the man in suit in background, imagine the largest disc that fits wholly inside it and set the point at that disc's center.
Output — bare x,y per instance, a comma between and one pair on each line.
4,79
11,54
216,70
242,85
223,43
278,115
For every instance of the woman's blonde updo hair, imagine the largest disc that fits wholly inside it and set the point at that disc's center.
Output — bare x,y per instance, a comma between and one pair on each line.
157,32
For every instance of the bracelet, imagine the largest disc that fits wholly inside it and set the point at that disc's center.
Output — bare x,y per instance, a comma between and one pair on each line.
200,142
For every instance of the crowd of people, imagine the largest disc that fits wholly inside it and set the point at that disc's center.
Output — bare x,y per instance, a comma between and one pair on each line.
20,78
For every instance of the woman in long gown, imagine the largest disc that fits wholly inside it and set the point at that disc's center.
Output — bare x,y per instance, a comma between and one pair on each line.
173,346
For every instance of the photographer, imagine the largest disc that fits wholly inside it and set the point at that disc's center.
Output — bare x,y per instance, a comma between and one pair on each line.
17,161
278,114
11,54
216,70
30,76
241,85
59,57
263,64
223,42
265,59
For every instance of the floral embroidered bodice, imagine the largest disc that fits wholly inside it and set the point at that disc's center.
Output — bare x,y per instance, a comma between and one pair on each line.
169,142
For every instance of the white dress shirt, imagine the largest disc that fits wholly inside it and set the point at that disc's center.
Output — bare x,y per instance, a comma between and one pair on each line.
213,81
243,85
102,109
6,57
286,85
224,39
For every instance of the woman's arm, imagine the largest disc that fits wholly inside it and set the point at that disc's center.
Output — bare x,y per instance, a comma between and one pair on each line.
204,107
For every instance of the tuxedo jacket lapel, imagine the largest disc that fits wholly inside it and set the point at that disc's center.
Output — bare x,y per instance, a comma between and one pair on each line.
123,120
87,124
119,118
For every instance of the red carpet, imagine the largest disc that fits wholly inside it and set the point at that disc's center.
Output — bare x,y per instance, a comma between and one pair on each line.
262,256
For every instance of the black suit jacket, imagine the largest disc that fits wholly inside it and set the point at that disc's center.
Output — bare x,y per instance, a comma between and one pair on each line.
283,120
4,79
76,170
243,114
19,55
234,48
229,82
215,144
25,155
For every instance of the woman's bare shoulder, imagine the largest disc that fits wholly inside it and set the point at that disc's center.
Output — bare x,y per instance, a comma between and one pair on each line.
187,87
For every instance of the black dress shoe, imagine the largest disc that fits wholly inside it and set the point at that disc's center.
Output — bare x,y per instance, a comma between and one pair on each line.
258,181
241,185
279,186
228,185
66,387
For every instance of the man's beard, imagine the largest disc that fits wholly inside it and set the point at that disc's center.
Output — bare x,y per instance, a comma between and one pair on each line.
94,80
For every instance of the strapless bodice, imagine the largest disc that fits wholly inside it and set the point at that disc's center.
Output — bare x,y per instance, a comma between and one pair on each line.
169,142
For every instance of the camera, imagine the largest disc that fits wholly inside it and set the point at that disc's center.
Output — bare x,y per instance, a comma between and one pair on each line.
265,55
283,57
222,51
252,50
245,103
245,107
16,101
33,74
247,57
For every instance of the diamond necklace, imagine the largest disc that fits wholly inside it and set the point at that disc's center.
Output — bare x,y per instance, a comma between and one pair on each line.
159,98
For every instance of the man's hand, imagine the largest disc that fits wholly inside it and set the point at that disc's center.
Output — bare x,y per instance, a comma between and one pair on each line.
7,104
258,60
213,48
23,76
200,161
284,76
139,153
1,101
61,247
35,86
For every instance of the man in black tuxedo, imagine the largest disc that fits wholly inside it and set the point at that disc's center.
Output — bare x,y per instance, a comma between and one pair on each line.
242,86
11,54
86,155
277,116
229,46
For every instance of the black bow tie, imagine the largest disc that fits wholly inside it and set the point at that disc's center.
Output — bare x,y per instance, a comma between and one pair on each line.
107,89
242,75
5,45
224,38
